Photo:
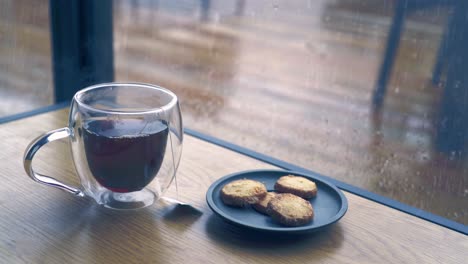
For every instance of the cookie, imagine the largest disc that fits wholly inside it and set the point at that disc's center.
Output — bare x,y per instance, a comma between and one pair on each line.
262,205
290,210
242,192
299,186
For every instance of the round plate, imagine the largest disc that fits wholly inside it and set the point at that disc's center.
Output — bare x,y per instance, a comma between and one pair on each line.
329,205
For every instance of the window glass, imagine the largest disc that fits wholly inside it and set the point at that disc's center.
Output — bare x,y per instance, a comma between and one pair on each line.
25,72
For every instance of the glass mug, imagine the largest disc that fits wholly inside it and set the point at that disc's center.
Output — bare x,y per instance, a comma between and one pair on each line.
126,144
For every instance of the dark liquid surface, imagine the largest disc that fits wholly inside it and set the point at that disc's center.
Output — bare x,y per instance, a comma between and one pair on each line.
124,156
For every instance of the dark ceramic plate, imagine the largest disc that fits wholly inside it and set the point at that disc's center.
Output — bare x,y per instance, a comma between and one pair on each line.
329,205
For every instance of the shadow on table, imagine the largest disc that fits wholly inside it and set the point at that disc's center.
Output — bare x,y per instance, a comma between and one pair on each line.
184,215
93,230
222,232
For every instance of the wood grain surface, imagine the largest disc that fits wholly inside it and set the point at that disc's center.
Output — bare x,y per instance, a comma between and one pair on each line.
43,225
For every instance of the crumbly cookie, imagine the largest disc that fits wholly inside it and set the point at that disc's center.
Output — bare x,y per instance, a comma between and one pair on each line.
242,192
297,185
290,210
262,205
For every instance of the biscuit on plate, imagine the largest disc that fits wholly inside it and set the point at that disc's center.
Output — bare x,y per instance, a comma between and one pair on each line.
262,205
290,210
243,192
297,185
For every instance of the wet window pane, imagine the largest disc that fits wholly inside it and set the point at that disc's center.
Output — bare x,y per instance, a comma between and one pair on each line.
25,72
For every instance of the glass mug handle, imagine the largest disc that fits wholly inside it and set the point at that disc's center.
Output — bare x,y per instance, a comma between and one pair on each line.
31,150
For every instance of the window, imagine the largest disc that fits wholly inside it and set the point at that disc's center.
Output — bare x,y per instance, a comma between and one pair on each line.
25,72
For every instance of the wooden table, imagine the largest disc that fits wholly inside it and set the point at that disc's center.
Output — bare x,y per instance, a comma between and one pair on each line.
43,225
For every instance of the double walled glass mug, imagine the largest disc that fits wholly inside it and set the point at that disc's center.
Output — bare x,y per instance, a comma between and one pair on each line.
126,144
